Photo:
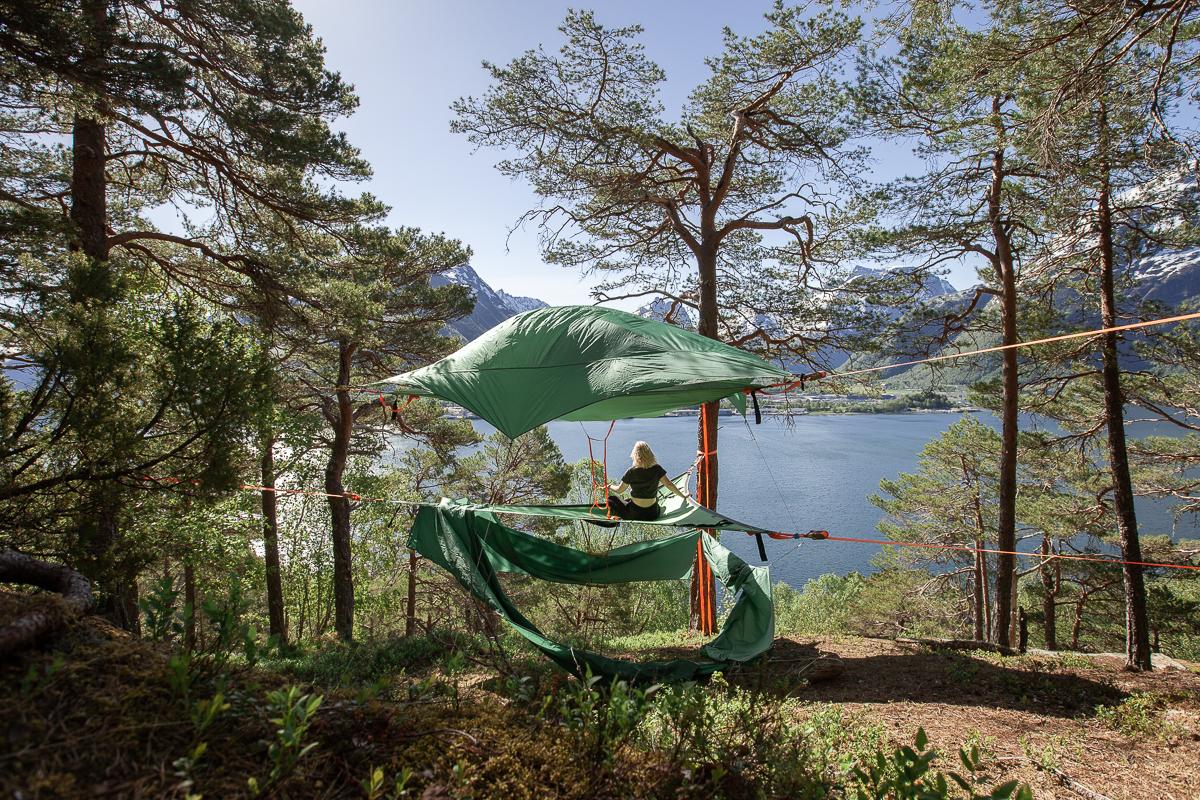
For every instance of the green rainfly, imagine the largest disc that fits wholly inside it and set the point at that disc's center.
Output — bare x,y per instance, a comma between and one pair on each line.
474,547
587,363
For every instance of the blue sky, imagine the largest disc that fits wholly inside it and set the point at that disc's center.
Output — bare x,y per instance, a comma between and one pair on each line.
409,60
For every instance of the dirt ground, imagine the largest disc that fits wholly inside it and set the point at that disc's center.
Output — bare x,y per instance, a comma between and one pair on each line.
1035,714
1069,725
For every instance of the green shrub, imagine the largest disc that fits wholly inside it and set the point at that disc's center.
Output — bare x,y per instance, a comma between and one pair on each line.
1141,715
825,605
357,664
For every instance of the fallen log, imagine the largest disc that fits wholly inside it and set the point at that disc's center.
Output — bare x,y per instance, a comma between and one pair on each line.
75,598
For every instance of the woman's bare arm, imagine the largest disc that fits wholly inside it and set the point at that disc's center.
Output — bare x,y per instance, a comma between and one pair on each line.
667,482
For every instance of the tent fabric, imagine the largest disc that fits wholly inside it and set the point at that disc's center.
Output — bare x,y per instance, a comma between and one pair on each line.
474,547
586,363
675,512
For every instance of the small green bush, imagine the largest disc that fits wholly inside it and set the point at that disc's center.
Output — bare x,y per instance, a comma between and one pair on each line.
825,606
1141,715
357,664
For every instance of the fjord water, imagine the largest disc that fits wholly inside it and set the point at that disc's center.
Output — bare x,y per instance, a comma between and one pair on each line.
810,472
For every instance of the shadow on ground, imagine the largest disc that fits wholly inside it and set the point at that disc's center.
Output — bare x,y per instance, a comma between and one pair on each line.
892,672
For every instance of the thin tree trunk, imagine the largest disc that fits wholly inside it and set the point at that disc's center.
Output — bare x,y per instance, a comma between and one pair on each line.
1077,622
1049,595
189,605
410,616
1014,605
276,622
1137,628
703,589
1006,533
303,612
977,597
979,593
987,597
339,505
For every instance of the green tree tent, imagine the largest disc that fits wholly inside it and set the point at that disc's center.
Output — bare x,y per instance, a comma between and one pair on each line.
592,363
587,363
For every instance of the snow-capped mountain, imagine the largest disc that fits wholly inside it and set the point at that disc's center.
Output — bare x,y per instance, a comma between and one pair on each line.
491,306
520,304
660,307
1170,277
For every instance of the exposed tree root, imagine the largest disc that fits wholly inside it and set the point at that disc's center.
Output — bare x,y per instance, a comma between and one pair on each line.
76,598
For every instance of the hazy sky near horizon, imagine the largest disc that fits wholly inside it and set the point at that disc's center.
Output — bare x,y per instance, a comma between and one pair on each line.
409,60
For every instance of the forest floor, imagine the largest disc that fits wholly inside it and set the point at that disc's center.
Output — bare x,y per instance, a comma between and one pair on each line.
1055,720
93,712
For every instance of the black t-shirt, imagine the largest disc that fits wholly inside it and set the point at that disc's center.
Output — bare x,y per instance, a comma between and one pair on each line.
643,481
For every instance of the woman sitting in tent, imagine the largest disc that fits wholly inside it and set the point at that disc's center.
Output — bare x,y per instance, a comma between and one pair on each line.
642,481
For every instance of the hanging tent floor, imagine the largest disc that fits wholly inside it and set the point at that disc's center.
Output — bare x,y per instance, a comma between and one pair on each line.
474,547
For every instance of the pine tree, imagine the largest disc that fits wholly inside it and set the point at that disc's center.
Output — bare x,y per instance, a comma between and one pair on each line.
731,208
1112,163
374,314
220,112
950,500
981,199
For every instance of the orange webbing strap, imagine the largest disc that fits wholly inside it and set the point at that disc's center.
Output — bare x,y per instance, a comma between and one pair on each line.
967,549
600,496
392,411
708,614
799,381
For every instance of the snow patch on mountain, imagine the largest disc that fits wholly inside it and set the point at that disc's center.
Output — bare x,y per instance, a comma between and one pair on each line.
491,306
660,307
520,304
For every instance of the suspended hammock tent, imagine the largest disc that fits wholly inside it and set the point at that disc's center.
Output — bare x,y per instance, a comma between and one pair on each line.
587,363
474,548
591,363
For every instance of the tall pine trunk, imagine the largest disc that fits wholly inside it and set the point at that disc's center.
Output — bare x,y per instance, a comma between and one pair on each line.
339,505
1003,263
977,596
1137,627
703,590
277,623
89,219
89,184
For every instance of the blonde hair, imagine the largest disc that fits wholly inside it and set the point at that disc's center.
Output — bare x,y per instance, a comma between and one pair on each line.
643,456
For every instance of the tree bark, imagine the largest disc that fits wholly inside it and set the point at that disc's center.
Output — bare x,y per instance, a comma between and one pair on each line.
339,505
703,590
410,615
89,210
1049,596
76,594
277,623
1137,628
1003,263
977,596
189,605
88,201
